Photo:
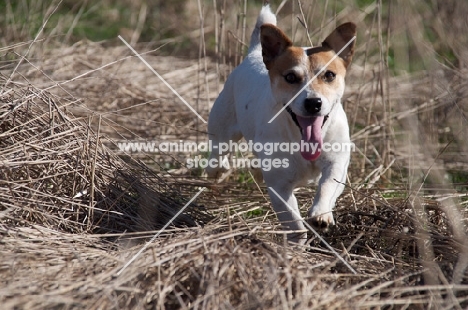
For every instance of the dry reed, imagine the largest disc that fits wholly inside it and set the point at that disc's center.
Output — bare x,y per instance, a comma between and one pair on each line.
74,209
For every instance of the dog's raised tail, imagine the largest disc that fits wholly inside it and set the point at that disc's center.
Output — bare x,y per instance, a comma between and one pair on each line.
266,16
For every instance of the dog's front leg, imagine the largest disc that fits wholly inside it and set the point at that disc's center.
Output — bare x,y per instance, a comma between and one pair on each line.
330,187
285,206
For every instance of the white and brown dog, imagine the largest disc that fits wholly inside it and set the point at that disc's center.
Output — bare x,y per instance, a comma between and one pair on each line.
274,74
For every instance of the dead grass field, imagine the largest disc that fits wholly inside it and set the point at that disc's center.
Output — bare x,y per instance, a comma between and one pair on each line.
74,209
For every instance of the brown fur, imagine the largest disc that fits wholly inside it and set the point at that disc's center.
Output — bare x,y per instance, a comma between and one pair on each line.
279,56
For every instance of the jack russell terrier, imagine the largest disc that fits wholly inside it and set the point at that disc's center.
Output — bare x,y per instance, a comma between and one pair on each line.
306,86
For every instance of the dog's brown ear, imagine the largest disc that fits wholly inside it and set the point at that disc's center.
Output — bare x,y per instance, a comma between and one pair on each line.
274,42
339,38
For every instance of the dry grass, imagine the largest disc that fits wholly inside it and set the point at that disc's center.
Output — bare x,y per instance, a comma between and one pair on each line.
74,209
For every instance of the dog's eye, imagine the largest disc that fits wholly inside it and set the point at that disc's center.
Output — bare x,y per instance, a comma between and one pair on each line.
329,76
291,78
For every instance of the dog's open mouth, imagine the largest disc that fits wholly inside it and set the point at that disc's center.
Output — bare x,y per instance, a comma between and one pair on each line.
311,130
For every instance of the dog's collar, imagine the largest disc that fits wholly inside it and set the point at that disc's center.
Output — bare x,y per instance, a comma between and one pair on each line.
294,118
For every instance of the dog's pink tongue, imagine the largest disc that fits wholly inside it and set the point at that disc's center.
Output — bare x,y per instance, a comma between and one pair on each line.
312,134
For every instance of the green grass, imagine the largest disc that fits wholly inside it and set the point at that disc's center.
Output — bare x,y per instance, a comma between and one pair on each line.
92,20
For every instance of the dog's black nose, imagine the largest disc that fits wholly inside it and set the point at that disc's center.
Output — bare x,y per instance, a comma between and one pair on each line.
313,105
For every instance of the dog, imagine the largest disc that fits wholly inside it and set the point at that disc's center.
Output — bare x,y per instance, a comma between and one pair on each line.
274,73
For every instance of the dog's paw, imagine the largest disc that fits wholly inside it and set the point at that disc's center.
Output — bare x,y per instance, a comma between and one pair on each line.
321,220
297,238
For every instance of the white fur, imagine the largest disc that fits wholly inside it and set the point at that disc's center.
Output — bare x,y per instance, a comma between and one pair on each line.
266,16
243,109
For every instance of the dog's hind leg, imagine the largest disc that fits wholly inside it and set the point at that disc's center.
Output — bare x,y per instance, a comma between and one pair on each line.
222,129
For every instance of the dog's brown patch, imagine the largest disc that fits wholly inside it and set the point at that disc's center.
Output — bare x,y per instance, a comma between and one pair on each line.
281,58
338,66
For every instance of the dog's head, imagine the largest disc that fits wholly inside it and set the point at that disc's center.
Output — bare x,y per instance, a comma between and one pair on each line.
291,68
